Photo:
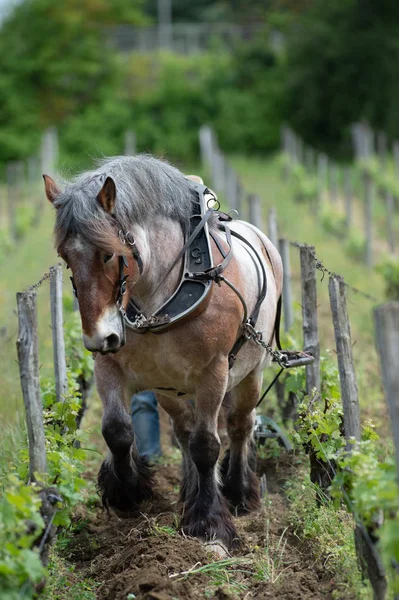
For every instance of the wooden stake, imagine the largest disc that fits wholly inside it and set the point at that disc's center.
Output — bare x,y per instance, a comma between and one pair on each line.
12,200
287,292
368,218
57,323
389,200
348,197
255,211
346,367
395,150
386,318
130,143
231,188
309,317
272,229
28,357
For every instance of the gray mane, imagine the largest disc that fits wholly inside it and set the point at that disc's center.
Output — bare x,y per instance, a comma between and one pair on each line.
146,187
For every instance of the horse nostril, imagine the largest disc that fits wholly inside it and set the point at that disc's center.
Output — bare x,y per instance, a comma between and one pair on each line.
112,341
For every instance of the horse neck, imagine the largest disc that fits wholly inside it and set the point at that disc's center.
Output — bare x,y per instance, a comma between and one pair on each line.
159,244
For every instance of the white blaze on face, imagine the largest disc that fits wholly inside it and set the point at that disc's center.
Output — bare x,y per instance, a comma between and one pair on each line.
108,333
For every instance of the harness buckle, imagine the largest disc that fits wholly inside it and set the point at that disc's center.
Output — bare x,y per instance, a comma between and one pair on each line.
129,239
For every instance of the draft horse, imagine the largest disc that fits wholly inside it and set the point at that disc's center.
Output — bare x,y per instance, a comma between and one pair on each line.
168,292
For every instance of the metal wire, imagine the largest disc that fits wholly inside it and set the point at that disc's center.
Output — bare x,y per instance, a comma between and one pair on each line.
321,267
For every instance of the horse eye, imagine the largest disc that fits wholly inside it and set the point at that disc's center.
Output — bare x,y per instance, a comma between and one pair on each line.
108,257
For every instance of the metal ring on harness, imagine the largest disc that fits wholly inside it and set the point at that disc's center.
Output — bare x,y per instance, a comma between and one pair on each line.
215,201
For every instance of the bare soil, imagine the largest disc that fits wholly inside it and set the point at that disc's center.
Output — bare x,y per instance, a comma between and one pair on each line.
146,557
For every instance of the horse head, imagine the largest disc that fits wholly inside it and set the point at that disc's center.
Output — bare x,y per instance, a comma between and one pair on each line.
94,257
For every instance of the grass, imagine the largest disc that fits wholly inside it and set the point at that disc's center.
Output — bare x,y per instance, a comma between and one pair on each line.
326,532
297,222
65,583
25,264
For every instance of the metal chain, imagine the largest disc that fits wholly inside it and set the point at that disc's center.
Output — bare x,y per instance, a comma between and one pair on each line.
256,336
324,270
36,285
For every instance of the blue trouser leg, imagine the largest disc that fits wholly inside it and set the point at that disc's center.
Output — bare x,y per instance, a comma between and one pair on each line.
146,424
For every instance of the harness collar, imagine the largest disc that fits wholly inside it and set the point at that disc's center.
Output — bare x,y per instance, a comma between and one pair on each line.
194,290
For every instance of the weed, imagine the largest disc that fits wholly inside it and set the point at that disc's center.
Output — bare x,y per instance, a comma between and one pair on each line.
269,561
221,573
65,583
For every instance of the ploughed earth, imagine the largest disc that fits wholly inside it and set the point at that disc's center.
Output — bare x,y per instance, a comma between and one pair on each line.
146,557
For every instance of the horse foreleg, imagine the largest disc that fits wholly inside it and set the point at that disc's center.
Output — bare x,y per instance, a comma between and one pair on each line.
240,483
182,414
206,514
125,479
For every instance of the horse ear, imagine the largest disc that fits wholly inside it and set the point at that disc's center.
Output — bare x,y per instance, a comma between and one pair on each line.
107,195
51,188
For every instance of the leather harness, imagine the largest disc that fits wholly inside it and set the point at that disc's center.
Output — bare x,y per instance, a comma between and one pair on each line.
199,273
194,290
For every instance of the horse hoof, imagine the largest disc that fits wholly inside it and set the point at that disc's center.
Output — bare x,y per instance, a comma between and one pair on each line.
218,548
124,490
214,524
243,498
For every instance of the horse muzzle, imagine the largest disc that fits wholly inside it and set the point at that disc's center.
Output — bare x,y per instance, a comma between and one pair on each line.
104,345
108,335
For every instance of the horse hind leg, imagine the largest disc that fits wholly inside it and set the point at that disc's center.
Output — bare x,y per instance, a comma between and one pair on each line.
182,414
240,483
125,479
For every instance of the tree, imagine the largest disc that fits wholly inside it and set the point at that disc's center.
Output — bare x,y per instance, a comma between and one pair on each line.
56,60
342,66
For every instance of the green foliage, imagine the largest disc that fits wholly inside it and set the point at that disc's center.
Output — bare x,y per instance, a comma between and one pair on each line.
305,184
329,530
24,217
367,482
334,53
355,246
56,60
5,244
320,421
390,272
20,567
365,478
20,525
333,222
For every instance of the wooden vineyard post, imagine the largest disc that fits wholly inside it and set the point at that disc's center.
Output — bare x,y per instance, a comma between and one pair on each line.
205,142
254,210
57,324
231,188
389,201
346,367
272,229
382,148
395,150
322,178
28,358
348,198
309,317
287,291
239,197
221,172
368,219
130,143
12,200
386,318
334,184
